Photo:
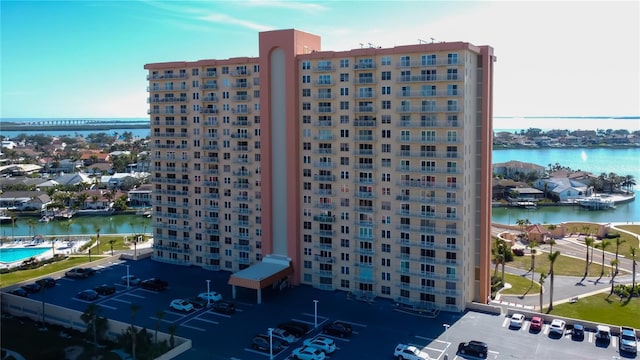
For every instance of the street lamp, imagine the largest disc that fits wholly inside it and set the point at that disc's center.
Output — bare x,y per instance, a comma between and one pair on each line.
315,317
270,343
127,276
446,327
208,292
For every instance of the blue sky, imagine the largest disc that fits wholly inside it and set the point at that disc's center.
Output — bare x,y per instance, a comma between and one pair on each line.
86,58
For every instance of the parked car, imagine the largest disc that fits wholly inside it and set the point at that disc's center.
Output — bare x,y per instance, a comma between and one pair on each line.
181,305
536,323
105,289
628,340
297,328
32,288
323,343
130,280
19,292
88,295
474,347
154,284
409,352
603,334
283,335
557,327
338,328
80,273
516,321
223,307
197,302
308,353
578,332
210,296
47,282
261,343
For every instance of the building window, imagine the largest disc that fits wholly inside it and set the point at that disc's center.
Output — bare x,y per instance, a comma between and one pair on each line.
344,77
344,63
386,248
344,105
306,92
386,90
306,65
386,75
344,91
386,104
452,59
306,79
386,60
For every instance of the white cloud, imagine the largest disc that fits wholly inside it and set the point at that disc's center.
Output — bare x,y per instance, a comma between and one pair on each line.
226,19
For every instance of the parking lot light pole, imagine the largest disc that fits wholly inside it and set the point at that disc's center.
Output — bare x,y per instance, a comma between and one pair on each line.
270,343
446,334
315,317
208,292
127,277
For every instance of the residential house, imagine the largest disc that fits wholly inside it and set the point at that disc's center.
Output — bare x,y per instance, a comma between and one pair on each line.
24,200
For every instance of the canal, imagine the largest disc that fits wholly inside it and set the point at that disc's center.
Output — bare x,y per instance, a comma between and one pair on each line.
110,224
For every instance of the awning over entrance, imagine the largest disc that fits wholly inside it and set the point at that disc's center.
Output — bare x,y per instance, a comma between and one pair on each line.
271,269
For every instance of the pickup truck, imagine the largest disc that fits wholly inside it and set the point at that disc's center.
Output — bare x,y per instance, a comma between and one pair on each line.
628,340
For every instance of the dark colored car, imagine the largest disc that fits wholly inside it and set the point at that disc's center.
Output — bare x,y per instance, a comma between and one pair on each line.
154,284
32,288
475,348
47,282
261,343
296,328
197,302
223,307
578,332
338,328
105,289
19,292
88,295
80,273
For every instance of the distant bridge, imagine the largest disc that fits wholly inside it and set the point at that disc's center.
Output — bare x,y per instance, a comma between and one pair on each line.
73,124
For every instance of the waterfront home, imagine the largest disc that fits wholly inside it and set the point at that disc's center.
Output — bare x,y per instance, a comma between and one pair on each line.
517,169
24,200
563,188
74,179
141,195
124,180
19,169
90,157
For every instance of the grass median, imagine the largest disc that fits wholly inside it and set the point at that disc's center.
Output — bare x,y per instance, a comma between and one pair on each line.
602,308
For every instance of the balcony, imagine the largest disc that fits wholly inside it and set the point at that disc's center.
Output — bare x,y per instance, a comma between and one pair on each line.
241,85
324,96
430,93
324,205
241,98
241,123
241,148
324,218
325,259
167,112
208,111
241,185
364,166
242,135
210,99
324,110
364,109
430,124
367,80
364,123
324,82
365,195
366,95
324,164
324,178
429,109
323,68
171,181
241,111
242,173
242,247
364,66
166,100
242,210
210,74
167,76
364,138
323,123
240,72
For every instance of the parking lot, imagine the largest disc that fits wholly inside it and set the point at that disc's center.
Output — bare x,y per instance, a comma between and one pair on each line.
377,327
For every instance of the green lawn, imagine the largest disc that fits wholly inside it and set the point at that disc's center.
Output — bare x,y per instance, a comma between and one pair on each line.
23,275
564,265
599,308
520,285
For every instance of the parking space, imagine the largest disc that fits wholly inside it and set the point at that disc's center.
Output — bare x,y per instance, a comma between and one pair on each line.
376,327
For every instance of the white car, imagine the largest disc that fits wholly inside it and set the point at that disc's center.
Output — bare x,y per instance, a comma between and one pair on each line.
307,353
557,327
323,343
409,352
283,335
210,296
516,320
603,333
181,305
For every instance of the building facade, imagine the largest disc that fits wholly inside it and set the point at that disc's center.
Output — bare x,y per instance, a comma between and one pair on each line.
369,168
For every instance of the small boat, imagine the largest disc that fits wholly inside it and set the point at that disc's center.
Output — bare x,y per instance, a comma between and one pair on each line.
5,219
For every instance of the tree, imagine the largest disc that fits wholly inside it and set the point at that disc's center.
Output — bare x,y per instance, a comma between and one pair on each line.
172,331
552,259
159,317
13,227
588,241
134,311
542,277
97,228
96,324
532,245
111,242
603,246
614,263
619,242
632,251
32,225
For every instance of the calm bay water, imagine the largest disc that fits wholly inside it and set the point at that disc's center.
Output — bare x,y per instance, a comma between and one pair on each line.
597,160
116,224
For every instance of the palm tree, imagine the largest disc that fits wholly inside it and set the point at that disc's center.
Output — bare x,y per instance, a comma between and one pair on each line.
134,310
551,243
94,321
614,263
619,242
603,246
32,225
13,227
632,251
97,228
159,317
588,241
111,242
542,277
532,245
552,259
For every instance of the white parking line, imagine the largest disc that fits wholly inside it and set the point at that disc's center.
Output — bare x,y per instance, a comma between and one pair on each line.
193,327
108,307
205,320
545,330
120,300
613,343
505,322
352,323
590,337
134,295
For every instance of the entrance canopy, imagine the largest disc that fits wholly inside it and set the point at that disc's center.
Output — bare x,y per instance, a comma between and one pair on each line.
272,269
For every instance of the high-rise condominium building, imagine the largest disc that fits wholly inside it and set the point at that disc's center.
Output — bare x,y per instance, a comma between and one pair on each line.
368,170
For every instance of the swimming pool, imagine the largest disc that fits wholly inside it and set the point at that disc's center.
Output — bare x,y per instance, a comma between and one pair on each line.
18,254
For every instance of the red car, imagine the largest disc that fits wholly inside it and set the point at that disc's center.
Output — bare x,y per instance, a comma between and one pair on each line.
536,323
